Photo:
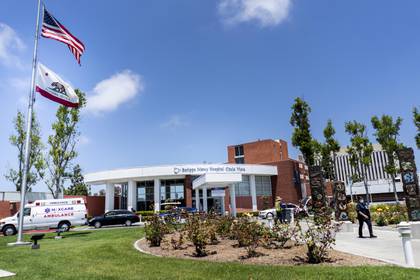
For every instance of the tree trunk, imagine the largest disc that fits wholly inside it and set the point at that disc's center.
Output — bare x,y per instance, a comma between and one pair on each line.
368,200
395,189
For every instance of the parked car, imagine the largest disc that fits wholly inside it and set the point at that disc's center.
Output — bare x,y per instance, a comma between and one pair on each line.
177,213
115,217
45,214
264,214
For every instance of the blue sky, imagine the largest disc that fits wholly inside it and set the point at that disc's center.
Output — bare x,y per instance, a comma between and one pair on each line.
178,81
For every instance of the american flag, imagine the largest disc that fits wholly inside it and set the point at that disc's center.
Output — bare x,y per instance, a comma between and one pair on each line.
52,28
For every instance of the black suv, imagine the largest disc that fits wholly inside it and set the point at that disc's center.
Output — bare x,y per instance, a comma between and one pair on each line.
115,217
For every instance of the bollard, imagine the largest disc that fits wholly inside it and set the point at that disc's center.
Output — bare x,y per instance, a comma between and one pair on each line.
405,231
292,216
270,221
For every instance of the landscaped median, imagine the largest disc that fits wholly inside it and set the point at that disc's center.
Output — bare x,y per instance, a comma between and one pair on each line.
110,254
245,240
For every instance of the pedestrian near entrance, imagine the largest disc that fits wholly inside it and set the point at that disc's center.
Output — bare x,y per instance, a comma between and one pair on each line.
280,209
363,215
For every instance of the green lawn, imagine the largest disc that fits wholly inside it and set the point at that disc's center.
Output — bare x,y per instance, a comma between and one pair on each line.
109,254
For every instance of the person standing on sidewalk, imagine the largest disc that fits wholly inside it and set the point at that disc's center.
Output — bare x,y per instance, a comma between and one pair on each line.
363,215
280,209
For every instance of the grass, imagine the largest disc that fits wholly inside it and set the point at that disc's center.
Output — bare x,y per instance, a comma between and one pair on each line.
109,254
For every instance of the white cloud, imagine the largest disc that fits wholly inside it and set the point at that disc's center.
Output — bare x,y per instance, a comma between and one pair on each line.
110,93
84,140
175,122
21,84
10,45
266,12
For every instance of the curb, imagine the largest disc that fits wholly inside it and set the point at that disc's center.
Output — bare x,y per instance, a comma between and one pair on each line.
137,247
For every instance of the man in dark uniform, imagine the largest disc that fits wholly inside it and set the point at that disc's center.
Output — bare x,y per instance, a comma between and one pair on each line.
363,215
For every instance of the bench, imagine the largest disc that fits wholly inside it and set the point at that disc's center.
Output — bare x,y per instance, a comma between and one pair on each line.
35,237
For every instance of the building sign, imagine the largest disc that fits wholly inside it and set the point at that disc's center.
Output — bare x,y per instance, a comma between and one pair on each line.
410,182
317,187
191,170
218,192
340,199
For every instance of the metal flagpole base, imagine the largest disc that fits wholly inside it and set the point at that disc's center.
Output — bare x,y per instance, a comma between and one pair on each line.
21,243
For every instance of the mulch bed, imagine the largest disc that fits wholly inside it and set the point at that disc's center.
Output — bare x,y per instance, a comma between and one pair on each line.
227,251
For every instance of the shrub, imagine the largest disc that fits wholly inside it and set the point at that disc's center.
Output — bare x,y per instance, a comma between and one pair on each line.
351,208
178,243
319,237
247,214
380,218
281,234
224,226
249,235
146,214
155,231
197,232
384,214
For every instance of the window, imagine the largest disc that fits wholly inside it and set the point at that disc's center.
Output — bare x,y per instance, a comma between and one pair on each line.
263,185
111,214
239,151
27,212
239,154
145,195
243,188
173,191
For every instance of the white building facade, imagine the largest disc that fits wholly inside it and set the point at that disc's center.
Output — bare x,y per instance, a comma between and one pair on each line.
203,186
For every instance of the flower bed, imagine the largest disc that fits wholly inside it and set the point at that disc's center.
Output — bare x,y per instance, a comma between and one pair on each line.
227,251
382,214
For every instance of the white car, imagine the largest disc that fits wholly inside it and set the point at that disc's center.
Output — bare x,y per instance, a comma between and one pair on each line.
264,214
45,214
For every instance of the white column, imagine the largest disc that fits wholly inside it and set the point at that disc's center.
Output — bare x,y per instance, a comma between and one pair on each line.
157,195
232,200
253,192
109,197
197,199
205,199
131,195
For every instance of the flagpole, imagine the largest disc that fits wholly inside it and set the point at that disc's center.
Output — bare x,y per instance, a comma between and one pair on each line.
28,132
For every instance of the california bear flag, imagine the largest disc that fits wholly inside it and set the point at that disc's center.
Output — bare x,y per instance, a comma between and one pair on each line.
51,86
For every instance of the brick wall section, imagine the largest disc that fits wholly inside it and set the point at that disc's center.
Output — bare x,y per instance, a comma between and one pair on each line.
272,152
8,208
95,205
261,151
188,191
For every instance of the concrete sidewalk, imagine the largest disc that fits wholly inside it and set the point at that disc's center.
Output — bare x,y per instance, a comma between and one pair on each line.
4,273
387,247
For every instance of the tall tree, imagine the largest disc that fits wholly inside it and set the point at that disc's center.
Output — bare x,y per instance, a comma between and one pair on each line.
302,137
36,163
329,151
360,151
386,134
77,185
416,118
62,144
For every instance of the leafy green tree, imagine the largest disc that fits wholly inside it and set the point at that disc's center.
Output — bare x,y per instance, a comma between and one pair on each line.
416,118
386,134
360,151
329,151
77,185
302,137
36,163
62,144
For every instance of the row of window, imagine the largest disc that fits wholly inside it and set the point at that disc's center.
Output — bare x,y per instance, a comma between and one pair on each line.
375,171
173,190
262,186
